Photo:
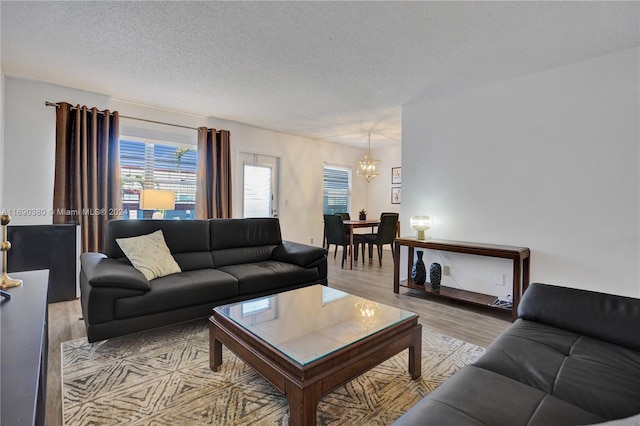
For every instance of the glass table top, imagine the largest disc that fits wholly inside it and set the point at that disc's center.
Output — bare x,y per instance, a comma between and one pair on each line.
312,322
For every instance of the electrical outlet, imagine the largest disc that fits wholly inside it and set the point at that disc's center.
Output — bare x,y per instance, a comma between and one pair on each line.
312,241
446,270
498,279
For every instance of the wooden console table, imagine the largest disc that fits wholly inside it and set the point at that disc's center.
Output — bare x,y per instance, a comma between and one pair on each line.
519,255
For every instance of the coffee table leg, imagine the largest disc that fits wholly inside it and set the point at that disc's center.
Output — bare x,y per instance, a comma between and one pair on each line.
215,349
415,354
303,403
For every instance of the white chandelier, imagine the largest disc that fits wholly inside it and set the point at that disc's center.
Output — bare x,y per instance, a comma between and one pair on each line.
368,167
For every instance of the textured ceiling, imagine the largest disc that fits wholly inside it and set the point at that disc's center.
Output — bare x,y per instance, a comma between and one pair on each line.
325,70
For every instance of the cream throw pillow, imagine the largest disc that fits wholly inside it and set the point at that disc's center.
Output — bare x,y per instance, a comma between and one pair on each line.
149,254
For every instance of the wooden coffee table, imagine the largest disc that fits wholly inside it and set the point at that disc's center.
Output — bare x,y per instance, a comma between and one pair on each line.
309,341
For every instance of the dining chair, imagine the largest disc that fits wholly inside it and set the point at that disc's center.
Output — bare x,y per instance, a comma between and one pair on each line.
334,230
345,216
386,235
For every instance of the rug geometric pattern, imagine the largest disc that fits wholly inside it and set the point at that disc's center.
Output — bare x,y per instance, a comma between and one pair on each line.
162,377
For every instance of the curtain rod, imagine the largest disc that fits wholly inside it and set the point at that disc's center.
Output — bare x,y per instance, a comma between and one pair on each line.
53,104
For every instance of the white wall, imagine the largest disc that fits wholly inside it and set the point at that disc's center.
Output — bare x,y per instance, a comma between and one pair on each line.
2,157
380,188
301,175
30,152
549,161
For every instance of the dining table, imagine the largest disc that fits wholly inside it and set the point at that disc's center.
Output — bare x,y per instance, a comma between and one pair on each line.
353,224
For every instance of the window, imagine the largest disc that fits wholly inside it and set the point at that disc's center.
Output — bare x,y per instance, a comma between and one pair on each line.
330,294
260,310
158,166
256,306
337,190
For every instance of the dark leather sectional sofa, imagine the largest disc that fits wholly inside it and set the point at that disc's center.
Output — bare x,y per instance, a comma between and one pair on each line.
572,358
222,261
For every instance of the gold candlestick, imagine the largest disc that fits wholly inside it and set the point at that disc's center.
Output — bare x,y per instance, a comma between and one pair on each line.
6,281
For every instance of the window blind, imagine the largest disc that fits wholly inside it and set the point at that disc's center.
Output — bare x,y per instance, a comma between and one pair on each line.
171,167
337,190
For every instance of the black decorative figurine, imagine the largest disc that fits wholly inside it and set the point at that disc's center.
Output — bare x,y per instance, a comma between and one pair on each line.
435,274
419,271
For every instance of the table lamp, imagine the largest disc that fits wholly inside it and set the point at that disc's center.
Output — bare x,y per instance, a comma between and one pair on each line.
420,224
157,199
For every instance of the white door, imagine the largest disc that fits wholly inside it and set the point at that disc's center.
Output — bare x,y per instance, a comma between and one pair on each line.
259,185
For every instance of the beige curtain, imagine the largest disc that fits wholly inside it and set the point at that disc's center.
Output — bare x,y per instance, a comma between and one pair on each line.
213,188
87,171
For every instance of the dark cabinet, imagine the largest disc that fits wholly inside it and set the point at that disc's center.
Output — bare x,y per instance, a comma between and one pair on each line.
52,247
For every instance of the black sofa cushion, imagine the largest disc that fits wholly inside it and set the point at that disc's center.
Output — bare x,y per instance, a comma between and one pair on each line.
265,276
177,291
530,353
601,377
474,396
602,316
188,240
234,233
298,254
237,241
571,358
597,376
107,273
240,255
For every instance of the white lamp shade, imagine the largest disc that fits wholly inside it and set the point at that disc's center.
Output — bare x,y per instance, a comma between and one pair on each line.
420,224
157,199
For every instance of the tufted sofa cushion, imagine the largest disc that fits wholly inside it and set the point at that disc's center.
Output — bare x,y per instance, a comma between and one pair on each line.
177,291
475,396
188,240
235,241
597,376
602,316
572,358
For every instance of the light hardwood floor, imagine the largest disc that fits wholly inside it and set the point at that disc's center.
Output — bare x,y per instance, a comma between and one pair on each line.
368,280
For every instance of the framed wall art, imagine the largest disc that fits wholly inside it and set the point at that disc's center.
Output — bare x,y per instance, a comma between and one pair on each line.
396,175
396,195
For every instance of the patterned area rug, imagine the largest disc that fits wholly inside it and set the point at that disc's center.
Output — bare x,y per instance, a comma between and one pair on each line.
162,377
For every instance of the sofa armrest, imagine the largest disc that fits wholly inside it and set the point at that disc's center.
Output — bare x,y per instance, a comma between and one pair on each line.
102,271
298,254
602,316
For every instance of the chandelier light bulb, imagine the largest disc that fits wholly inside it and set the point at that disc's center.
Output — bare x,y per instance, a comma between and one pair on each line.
368,167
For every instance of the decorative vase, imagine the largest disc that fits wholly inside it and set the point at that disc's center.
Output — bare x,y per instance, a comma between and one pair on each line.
362,216
419,271
435,275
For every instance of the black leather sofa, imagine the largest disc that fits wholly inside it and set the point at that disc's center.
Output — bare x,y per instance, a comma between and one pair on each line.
571,358
222,261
